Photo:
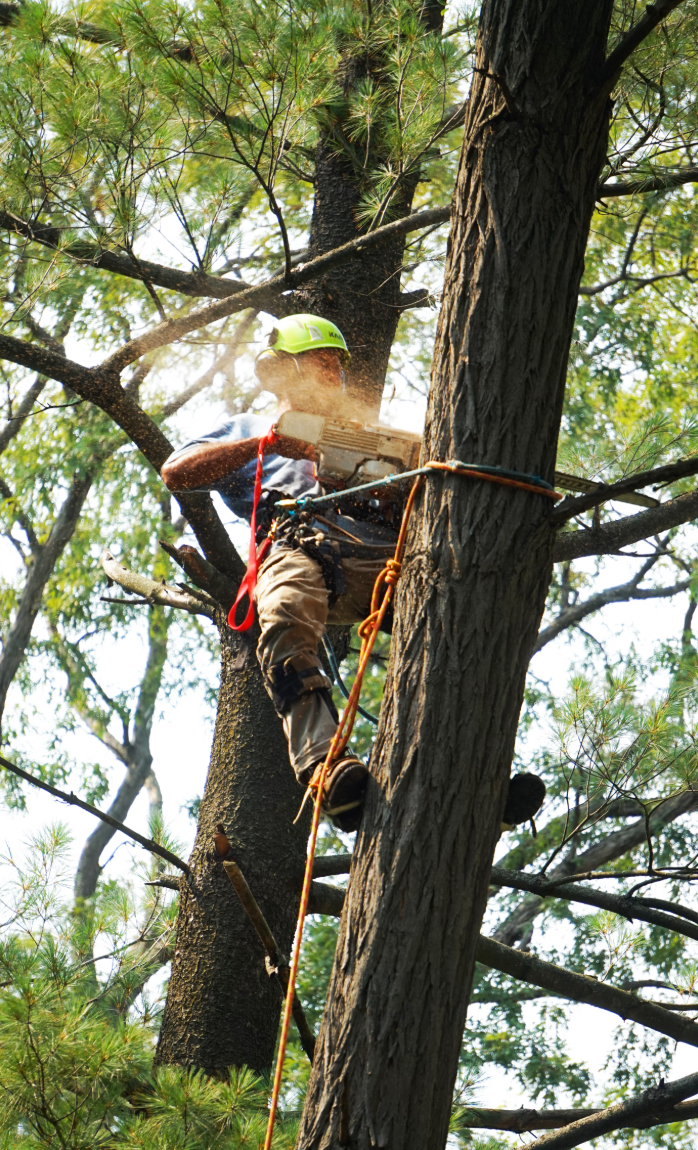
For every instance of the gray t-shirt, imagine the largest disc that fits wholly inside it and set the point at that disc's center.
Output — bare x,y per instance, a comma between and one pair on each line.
293,477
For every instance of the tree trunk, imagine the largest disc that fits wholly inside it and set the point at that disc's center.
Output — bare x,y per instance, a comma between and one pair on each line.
222,1008
363,297
474,583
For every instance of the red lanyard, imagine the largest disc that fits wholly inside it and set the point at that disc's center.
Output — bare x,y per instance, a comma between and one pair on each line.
255,558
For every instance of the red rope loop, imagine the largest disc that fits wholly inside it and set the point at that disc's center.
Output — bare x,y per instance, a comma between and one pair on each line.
255,558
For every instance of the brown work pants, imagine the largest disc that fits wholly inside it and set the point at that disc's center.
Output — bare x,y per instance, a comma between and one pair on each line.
293,607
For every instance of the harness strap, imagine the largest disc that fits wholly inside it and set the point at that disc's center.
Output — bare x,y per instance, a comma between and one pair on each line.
255,557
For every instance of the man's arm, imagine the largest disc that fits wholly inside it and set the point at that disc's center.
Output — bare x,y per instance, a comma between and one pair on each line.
206,463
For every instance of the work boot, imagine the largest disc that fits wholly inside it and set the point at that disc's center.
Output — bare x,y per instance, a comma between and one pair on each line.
525,798
344,793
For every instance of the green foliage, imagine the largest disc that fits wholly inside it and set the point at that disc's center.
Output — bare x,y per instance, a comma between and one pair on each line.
77,1032
183,1110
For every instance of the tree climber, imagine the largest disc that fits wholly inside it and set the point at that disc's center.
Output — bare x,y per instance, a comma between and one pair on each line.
318,571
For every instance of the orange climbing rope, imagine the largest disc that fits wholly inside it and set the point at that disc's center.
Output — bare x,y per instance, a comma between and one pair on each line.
367,632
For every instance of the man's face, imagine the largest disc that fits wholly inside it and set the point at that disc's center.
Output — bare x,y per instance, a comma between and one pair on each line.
322,367
316,381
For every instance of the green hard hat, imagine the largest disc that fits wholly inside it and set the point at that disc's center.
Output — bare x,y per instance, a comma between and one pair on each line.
295,334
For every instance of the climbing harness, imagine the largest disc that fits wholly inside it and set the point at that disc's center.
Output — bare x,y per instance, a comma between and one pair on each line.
367,631
255,557
306,503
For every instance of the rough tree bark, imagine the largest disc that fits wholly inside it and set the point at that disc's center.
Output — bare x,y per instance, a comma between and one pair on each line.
473,589
222,1008
363,298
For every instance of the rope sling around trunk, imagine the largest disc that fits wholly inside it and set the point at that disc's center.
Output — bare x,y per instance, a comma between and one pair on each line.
367,631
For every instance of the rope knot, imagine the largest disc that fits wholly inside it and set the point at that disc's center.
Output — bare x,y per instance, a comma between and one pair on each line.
366,628
393,569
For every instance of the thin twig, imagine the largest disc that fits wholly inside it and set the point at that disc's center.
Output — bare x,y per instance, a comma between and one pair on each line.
74,801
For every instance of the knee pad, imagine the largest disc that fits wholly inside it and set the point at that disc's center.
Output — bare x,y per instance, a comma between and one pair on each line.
289,681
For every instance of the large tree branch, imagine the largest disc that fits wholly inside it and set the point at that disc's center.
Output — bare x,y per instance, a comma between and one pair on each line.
74,801
653,15
189,283
630,908
654,1107
258,296
526,967
610,538
266,296
104,390
524,1120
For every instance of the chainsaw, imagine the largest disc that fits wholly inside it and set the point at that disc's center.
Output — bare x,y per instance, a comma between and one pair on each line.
350,452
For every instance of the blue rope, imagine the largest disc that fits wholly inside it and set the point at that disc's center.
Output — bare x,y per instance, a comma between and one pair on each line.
306,502
334,667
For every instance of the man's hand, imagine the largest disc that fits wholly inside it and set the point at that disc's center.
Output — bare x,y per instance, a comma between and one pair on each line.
293,448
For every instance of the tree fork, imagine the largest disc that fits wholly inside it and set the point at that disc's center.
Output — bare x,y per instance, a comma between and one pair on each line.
478,565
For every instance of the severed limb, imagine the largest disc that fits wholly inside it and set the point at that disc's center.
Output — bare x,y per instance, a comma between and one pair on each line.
74,801
152,592
276,963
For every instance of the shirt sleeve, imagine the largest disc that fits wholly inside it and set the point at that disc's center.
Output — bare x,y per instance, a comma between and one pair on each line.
230,429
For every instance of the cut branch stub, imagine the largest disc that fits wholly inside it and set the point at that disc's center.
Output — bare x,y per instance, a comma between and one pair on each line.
152,592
